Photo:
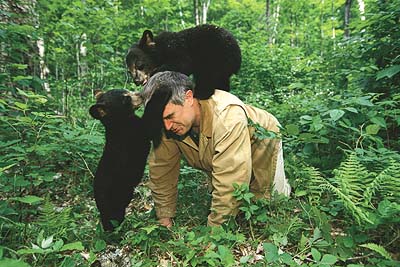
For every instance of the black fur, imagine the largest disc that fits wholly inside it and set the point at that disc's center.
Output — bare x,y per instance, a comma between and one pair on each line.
208,52
152,116
124,157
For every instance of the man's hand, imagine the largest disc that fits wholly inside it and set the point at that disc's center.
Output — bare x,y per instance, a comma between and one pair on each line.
167,222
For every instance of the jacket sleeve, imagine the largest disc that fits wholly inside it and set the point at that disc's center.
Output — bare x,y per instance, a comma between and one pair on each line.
231,162
164,166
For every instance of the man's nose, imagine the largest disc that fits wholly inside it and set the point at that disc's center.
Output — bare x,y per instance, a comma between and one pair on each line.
168,124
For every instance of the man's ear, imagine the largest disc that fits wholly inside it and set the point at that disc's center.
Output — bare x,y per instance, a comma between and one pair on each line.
97,111
147,39
189,95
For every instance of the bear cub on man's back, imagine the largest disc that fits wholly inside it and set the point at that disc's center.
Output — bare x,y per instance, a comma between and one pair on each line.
210,53
124,157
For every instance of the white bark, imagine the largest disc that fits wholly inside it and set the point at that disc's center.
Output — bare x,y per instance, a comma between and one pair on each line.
44,70
361,7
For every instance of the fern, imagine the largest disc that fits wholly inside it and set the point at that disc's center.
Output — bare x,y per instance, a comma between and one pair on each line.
379,249
359,214
374,186
352,178
390,186
54,222
314,182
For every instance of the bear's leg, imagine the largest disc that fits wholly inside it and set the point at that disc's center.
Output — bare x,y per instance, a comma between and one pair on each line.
222,83
204,86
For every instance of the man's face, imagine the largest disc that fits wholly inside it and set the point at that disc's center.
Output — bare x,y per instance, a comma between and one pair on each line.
179,119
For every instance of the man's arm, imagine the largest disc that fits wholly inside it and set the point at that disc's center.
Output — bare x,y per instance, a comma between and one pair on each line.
231,162
164,172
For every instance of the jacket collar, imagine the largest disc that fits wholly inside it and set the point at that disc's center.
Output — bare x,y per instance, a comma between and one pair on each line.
206,111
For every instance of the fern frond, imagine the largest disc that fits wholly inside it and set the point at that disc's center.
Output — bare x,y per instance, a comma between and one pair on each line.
352,178
314,182
379,249
374,186
358,213
54,222
390,186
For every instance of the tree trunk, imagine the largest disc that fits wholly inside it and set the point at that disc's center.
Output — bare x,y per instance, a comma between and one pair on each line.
333,25
361,7
276,22
44,70
181,14
205,5
268,19
347,8
196,12
200,9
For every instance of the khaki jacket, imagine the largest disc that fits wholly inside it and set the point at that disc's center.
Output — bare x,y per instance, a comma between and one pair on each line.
228,151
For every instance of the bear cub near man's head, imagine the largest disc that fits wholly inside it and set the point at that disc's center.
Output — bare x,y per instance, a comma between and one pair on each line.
209,52
124,157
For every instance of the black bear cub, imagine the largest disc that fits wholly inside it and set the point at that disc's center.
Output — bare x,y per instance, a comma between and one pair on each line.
208,52
124,157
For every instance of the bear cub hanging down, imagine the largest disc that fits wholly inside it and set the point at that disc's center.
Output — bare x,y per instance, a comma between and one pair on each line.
125,153
208,52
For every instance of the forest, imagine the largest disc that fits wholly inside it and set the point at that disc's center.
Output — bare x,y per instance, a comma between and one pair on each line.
329,70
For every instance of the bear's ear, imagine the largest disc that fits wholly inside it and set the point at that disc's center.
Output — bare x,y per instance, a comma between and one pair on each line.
97,111
147,39
97,93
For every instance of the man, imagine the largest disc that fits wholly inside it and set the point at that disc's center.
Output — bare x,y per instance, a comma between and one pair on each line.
213,135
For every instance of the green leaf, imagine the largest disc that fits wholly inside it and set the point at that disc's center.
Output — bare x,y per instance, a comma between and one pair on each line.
28,199
100,245
303,242
19,66
336,114
306,136
372,129
292,129
7,167
271,252
13,263
296,86
58,245
150,228
300,193
73,246
226,256
328,259
377,248
31,251
379,121
20,105
364,101
351,109
47,242
388,72
316,254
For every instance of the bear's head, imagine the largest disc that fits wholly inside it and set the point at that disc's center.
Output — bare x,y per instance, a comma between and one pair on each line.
141,59
115,106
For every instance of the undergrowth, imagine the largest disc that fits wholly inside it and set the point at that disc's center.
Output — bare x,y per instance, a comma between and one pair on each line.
346,216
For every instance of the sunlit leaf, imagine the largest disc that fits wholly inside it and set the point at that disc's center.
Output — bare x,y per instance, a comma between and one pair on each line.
388,72
13,263
372,129
28,199
73,246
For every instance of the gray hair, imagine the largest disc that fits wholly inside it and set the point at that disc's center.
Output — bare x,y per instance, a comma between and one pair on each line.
177,82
